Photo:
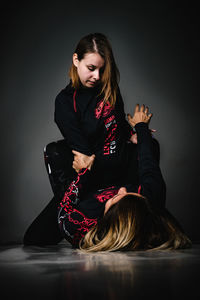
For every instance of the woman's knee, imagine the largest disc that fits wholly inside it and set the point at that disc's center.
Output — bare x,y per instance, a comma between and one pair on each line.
58,155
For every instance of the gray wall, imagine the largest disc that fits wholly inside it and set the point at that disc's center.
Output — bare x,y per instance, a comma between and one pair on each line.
156,47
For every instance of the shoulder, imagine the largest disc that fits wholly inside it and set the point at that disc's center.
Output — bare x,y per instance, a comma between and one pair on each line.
65,95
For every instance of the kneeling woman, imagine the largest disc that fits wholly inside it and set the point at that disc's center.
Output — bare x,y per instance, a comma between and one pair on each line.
125,217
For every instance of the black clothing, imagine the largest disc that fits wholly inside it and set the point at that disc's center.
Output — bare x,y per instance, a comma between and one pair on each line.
44,229
92,127
83,204
58,159
88,126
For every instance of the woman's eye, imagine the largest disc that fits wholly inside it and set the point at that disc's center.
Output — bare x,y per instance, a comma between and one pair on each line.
91,69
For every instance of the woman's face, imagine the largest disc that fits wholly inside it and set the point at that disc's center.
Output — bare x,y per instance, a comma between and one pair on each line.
89,68
121,193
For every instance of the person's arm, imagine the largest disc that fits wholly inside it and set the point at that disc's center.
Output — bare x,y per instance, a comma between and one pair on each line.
152,184
67,222
69,125
72,194
73,223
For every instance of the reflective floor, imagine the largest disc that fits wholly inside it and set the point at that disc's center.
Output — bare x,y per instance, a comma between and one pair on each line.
59,272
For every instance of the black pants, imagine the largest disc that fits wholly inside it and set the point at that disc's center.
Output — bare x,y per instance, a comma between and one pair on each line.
44,229
58,158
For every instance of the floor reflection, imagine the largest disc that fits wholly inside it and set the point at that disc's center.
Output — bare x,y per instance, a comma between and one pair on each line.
59,271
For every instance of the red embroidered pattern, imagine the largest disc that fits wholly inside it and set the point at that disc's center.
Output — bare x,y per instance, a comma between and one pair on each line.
72,193
85,224
74,101
82,226
139,189
105,195
102,109
109,120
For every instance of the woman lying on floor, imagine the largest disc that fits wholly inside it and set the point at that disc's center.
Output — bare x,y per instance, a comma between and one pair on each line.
118,217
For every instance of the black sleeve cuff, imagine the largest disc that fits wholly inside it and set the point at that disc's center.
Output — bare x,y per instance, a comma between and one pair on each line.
141,125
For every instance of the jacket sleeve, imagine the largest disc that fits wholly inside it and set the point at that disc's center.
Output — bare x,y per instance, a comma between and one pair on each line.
127,129
152,184
73,223
73,192
69,125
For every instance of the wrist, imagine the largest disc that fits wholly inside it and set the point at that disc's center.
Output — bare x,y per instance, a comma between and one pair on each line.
141,125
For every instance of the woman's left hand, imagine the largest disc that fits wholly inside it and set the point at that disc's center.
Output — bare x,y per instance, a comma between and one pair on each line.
82,161
141,114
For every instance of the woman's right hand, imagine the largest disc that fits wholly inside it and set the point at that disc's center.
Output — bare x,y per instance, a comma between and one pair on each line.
82,161
141,114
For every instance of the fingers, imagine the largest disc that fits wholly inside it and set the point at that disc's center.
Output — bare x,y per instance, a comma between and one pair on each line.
129,117
142,108
130,120
137,108
76,152
82,161
74,166
146,110
141,114
91,161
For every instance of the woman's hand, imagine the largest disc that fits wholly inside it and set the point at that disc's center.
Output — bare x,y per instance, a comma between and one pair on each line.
82,161
141,114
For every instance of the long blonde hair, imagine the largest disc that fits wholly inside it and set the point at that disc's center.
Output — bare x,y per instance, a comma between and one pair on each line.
98,43
131,224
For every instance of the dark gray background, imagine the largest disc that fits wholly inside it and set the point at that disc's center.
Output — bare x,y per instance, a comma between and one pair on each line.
156,46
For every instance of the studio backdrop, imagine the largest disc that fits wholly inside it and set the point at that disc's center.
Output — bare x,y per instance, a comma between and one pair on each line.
156,48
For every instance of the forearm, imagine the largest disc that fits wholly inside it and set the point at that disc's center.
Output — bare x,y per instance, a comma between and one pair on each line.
73,223
150,176
72,194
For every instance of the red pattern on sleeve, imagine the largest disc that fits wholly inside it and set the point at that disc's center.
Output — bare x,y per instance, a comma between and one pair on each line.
73,222
106,194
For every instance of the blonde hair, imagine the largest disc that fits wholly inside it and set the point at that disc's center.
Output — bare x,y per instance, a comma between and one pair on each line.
131,224
98,43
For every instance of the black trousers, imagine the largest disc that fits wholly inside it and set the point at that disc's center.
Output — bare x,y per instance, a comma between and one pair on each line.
44,229
58,159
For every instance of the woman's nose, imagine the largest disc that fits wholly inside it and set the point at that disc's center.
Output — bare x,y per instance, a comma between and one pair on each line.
96,74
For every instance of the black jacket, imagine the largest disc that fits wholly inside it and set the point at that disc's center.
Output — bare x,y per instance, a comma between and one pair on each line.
83,204
91,128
